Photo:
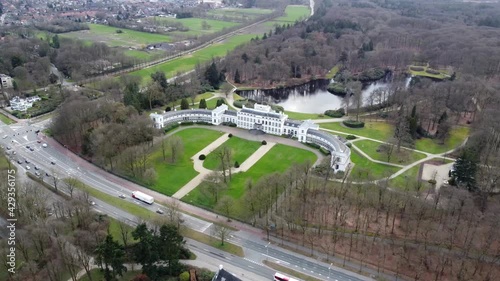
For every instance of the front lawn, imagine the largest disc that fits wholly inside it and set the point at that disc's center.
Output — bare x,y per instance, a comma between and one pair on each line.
278,159
365,169
377,152
171,177
304,116
456,138
241,149
376,130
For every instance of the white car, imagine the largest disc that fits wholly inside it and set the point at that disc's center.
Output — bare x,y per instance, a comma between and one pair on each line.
44,145
28,167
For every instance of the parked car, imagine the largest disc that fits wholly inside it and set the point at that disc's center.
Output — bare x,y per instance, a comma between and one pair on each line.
122,196
44,145
28,167
52,162
159,211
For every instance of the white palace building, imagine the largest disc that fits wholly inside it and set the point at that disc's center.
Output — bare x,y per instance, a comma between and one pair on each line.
263,118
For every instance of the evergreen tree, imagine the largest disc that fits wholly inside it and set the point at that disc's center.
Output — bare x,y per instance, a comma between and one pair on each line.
55,42
203,103
264,37
237,78
111,256
245,57
184,104
132,96
212,75
160,78
413,122
464,170
220,102
257,60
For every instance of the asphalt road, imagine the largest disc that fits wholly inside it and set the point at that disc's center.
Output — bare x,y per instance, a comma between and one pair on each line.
18,136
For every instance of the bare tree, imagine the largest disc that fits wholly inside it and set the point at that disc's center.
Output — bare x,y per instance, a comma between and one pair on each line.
222,232
71,184
176,147
354,89
225,205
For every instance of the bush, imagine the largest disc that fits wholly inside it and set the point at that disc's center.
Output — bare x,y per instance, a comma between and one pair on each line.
239,103
431,181
184,276
350,137
236,164
170,128
353,124
230,124
119,31
264,142
168,109
335,113
230,135
202,157
324,151
187,123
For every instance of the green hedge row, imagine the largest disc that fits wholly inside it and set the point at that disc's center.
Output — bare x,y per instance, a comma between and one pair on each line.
353,124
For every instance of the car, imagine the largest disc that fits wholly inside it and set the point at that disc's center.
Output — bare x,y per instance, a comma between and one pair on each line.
28,147
19,161
9,148
92,203
159,211
122,196
37,174
37,131
38,141
44,145
13,152
47,174
27,161
36,167
32,149
5,136
52,162
27,167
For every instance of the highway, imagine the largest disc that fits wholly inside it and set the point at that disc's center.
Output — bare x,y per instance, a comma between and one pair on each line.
66,164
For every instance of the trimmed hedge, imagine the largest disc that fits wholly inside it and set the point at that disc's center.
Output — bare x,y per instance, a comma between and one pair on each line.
264,142
335,113
353,124
350,137
230,124
202,157
230,135
236,164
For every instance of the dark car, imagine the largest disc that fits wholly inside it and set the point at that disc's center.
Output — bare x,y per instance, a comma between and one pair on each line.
32,149
52,162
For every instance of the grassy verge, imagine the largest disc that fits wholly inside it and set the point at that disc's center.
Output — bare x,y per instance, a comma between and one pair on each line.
403,157
97,275
209,240
305,116
333,72
115,231
6,119
407,179
365,169
376,130
241,149
456,138
289,271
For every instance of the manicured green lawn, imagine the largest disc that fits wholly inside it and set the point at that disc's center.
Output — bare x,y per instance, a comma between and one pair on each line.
171,177
278,159
333,72
404,157
6,119
241,149
211,104
375,130
108,35
368,170
188,62
97,275
195,25
292,13
304,116
456,138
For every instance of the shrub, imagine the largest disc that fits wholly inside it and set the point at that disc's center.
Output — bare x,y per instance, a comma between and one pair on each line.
230,135
349,144
335,113
170,128
230,124
236,164
119,31
350,137
324,151
353,124
202,157
264,142
239,103
168,109
187,123
184,276
431,181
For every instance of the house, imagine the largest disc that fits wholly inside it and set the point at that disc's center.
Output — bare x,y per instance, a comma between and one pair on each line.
263,118
223,275
20,104
5,81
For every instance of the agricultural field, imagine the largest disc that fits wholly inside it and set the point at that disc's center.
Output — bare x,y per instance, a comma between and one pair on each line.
241,149
188,62
237,14
109,36
172,176
278,159
197,27
292,14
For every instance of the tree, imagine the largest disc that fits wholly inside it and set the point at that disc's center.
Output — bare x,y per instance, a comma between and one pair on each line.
222,232
160,78
220,102
203,103
213,184
53,78
153,92
464,170
212,75
245,57
55,42
71,184
184,104
205,25
354,89
132,96
227,89
110,257
176,147
237,78
225,205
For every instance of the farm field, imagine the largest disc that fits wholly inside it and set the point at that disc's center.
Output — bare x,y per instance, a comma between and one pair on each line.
236,14
172,176
241,149
278,159
292,13
107,34
195,26
188,62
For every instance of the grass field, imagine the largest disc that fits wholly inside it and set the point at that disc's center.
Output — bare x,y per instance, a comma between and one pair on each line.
237,14
365,169
278,159
6,120
456,138
195,25
107,34
171,177
187,63
304,116
241,149
292,14
115,231
375,130
404,157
